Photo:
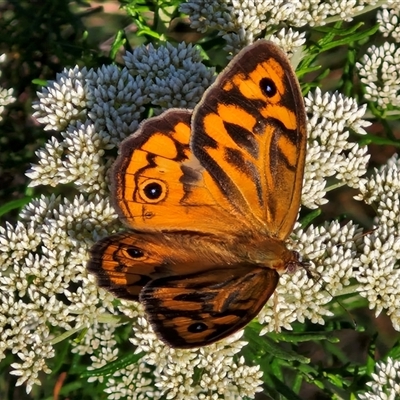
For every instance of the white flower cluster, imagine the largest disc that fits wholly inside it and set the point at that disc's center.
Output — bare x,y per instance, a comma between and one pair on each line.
289,41
380,75
329,152
389,22
385,383
174,76
78,159
6,95
240,22
379,273
379,66
44,282
109,98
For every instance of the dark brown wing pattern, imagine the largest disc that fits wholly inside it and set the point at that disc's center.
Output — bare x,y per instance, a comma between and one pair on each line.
199,309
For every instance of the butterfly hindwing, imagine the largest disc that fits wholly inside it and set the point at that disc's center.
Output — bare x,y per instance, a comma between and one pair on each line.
198,309
127,264
130,260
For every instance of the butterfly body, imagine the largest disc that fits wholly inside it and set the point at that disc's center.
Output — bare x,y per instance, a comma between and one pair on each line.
211,196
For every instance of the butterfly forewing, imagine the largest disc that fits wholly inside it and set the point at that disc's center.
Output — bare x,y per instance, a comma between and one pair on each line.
158,183
199,309
249,132
142,172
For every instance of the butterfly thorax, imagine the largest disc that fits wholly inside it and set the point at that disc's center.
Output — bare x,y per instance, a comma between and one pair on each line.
268,252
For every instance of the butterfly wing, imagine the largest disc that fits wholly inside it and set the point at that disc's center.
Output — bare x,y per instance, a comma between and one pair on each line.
123,263
249,132
199,309
152,187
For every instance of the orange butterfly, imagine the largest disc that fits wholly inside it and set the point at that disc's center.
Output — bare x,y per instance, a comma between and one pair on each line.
210,197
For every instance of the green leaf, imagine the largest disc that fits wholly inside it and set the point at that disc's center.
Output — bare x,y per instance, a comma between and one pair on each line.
114,366
348,36
382,141
119,41
395,351
62,351
299,337
352,38
14,204
285,390
310,217
68,388
65,335
40,82
259,346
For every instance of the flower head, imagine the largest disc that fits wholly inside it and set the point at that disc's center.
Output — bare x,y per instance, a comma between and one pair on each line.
385,382
240,22
380,75
330,152
389,22
379,273
174,76
6,95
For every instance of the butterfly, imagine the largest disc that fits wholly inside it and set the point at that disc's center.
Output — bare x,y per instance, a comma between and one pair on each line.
210,196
